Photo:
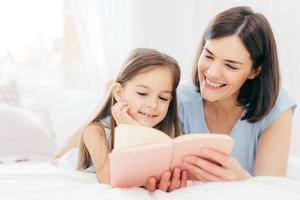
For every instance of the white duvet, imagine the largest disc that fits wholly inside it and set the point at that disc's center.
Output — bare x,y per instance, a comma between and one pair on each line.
42,181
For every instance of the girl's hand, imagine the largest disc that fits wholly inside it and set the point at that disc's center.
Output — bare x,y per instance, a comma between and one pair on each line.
221,168
169,181
119,112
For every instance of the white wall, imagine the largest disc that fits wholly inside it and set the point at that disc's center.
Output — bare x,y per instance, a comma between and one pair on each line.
175,27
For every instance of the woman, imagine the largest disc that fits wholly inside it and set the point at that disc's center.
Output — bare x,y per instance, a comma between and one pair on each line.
236,91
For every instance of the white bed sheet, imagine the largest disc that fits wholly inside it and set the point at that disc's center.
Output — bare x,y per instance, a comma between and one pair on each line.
41,180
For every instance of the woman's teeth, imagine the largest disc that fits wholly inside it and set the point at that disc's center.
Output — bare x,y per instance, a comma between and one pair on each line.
214,84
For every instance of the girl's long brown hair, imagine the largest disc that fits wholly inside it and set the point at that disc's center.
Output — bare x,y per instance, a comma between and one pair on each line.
139,61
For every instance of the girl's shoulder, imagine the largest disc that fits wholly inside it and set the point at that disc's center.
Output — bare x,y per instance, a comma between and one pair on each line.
93,130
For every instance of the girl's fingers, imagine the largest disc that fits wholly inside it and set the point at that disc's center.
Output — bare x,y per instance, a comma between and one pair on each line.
118,112
164,181
183,181
151,184
175,180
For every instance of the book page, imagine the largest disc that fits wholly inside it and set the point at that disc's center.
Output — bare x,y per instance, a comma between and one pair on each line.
130,135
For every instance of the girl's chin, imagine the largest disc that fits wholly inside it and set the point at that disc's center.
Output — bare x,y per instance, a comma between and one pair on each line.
146,123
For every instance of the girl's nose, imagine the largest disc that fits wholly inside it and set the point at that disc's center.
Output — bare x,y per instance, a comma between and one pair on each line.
152,103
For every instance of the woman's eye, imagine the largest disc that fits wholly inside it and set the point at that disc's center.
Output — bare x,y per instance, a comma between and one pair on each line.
208,57
230,66
141,93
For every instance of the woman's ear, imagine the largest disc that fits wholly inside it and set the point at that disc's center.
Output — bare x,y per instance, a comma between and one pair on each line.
117,91
254,73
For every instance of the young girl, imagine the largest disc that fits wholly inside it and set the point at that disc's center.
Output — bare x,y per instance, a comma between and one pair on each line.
144,93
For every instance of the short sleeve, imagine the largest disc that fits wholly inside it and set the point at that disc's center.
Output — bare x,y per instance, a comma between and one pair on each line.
283,103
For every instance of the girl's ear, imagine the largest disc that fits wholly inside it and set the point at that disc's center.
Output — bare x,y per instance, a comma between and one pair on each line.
117,91
254,73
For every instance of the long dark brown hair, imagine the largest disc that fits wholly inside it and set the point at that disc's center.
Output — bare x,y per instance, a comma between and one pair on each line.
257,95
139,61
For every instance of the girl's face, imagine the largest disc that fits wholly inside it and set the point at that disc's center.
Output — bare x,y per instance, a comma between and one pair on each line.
224,65
148,95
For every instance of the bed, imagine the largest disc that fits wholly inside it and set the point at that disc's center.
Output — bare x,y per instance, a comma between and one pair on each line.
41,180
26,172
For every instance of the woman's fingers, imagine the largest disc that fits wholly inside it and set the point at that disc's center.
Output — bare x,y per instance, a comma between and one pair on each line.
216,156
197,167
228,168
215,166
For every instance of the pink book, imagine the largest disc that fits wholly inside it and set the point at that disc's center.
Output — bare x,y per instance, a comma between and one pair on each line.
141,152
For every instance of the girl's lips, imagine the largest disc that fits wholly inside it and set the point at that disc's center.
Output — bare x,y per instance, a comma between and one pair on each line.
148,114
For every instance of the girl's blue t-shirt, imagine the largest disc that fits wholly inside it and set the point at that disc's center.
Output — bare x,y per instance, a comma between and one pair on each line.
245,134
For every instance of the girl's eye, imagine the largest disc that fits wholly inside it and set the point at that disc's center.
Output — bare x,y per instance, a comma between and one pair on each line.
164,99
141,93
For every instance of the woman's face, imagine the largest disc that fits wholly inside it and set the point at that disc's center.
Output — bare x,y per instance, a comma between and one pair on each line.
224,65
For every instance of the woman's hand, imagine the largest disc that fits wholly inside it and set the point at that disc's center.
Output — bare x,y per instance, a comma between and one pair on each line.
169,181
221,167
119,112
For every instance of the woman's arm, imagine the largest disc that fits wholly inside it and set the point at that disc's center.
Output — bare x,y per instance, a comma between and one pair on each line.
273,147
97,145
271,156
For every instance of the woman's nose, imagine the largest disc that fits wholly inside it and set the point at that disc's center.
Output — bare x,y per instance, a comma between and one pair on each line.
214,70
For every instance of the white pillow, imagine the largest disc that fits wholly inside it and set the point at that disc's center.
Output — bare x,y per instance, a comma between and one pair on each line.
22,136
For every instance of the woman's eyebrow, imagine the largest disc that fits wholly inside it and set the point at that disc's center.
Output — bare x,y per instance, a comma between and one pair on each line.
227,60
233,61
206,49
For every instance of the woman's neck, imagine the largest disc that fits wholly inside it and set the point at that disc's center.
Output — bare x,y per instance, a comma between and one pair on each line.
221,116
223,109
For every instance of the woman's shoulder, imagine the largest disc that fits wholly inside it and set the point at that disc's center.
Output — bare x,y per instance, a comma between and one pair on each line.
283,102
187,91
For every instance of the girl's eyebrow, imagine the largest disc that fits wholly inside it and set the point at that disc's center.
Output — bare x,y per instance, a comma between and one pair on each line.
146,87
227,60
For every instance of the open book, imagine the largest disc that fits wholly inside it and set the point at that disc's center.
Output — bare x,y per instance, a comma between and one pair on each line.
140,152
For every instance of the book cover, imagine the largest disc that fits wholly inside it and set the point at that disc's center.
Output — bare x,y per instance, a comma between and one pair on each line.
141,152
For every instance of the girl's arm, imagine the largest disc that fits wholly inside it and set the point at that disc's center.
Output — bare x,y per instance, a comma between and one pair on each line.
273,147
97,145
